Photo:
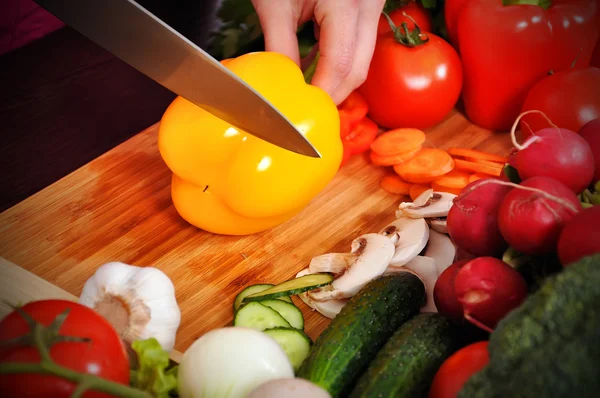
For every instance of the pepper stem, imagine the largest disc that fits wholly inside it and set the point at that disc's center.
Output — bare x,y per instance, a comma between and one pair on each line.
545,4
404,36
310,71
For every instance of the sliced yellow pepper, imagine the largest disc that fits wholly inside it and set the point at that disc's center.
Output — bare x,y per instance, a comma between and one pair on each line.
226,181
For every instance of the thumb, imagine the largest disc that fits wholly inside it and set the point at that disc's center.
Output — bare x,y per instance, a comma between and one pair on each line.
279,25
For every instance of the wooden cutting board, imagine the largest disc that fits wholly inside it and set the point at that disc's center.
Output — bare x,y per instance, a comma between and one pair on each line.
118,208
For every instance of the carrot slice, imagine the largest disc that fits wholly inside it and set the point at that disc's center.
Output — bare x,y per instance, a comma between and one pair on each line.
397,141
473,154
380,160
441,188
417,189
477,176
428,165
488,162
453,179
393,184
476,167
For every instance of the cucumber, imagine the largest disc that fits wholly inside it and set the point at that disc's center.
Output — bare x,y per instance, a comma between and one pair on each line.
288,311
259,317
255,289
292,287
343,351
295,343
406,365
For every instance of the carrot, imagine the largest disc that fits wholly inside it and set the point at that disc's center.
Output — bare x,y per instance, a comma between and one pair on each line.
417,189
477,176
390,160
441,188
474,154
393,184
428,165
476,167
397,141
453,179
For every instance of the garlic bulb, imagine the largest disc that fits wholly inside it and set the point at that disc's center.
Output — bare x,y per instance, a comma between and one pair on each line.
138,301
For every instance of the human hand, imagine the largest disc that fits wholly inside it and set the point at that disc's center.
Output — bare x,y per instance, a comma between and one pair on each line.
346,33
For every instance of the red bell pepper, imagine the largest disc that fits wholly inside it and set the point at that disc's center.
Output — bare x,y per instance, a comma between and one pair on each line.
352,110
361,137
507,46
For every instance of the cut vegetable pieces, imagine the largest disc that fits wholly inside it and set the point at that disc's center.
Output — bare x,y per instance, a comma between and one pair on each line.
295,343
393,184
259,287
428,165
476,167
259,317
416,190
477,176
391,160
292,287
359,139
288,311
473,154
398,141
452,182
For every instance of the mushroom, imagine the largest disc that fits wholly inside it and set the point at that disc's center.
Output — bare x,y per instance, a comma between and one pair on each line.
425,268
441,249
410,236
329,308
289,388
372,254
429,204
438,224
335,263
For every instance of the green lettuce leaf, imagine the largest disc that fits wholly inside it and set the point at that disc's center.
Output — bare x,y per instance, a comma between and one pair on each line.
153,374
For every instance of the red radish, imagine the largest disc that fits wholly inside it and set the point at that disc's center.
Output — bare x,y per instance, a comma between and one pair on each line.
473,218
554,152
534,212
591,133
443,293
580,237
488,289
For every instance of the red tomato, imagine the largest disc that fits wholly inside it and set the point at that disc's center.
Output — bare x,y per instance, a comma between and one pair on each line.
412,86
457,369
570,98
104,356
596,56
452,9
415,10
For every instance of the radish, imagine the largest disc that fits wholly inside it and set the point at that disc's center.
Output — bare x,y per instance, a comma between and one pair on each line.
580,237
473,218
488,289
534,212
554,152
591,133
443,293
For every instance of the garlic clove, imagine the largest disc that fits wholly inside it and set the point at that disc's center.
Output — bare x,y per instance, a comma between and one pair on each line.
139,302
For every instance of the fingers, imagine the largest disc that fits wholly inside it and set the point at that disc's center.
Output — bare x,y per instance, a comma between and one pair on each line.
279,21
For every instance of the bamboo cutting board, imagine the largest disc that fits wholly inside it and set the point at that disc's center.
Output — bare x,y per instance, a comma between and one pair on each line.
118,208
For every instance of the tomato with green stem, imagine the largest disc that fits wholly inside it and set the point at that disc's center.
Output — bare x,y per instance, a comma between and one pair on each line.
414,10
414,80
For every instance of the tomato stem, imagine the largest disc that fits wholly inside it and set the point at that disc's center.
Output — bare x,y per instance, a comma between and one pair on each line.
545,4
405,36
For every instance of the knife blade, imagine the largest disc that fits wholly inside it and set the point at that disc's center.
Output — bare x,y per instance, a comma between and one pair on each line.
140,39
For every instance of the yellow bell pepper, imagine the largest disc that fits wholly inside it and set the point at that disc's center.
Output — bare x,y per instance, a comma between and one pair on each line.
226,181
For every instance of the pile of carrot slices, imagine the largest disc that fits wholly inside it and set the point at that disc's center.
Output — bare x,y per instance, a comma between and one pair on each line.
417,169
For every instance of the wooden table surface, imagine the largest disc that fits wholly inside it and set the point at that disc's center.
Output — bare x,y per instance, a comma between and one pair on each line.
118,208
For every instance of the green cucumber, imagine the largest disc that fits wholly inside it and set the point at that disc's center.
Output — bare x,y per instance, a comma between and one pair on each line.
288,311
292,287
346,347
259,317
407,363
255,289
295,343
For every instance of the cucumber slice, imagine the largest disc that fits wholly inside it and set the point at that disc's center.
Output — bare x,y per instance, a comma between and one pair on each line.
255,289
259,317
288,311
295,343
292,287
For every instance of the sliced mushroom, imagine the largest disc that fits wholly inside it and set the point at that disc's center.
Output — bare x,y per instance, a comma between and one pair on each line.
438,224
373,253
304,296
336,263
441,249
437,204
412,235
329,308
425,268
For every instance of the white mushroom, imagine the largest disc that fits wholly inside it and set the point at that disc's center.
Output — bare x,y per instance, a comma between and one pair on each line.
329,308
438,224
426,270
427,205
373,253
304,296
412,236
289,388
441,249
335,263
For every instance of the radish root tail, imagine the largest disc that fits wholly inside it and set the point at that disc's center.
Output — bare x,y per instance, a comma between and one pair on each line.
475,322
534,137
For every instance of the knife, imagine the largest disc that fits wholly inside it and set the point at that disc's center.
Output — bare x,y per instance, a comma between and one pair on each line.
131,33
